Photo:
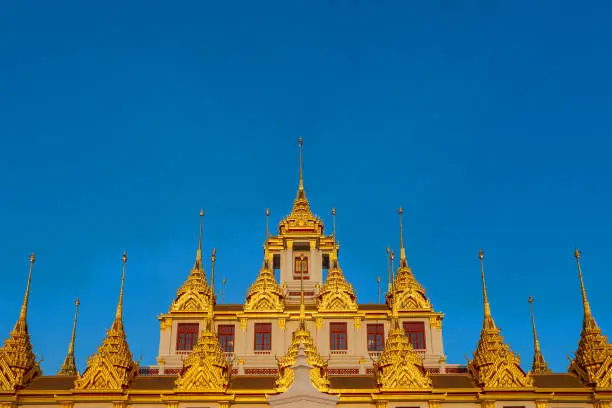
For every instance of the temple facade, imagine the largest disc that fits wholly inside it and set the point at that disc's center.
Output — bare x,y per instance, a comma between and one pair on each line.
301,337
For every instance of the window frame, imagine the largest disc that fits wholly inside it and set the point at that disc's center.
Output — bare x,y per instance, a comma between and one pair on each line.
415,336
377,331
187,335
300,267
227,337
338,336
259,337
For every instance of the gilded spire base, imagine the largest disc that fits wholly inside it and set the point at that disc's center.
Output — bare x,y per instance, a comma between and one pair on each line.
265,294
409,293
336,295
18,365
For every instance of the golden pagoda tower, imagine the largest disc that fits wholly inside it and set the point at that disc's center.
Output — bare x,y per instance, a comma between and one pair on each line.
593,360
265,294
410,293
336,295
494,364
18,365
195,294
206,369
399,366
69,366
539,365
302,336
112,368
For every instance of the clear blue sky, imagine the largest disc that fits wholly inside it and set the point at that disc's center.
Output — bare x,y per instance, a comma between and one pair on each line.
488,122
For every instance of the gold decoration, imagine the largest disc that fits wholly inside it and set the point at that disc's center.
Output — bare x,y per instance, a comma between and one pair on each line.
433,403
494,365
112,368
243,323
319,322
593,360
281,323
336,295
301,220
399,366
18,366
69,366
539,365
318,372
409,292
382,404
435,322
206,369
487,403
195,295
542,403
165,323
265,294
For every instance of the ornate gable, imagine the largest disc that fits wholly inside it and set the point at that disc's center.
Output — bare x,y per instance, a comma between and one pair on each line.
265,294
410,294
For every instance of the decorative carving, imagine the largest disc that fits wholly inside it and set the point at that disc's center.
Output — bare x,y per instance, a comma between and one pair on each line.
318,372
399,366
243,323
165,323
265,294
319,322
206,368
18,365
409,292
494,365
539,365
593,360
195,295
433,403
112,368
281,323
487,404
435,322
336,295
543,403
382,404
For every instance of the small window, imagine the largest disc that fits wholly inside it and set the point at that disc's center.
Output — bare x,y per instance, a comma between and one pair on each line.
226,337
325,262
263,336
301,268
376,337
416,334
337,332
276,261
186,336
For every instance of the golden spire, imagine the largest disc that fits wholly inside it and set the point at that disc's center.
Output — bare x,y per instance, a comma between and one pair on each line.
336,295
69,366
593,360
389,280
112,368
318,372
378,285
194,295
333,213
301,220
213,258
265,294
399,366
267,225
488,319
301,187
539,365
405,286
494,365
16,355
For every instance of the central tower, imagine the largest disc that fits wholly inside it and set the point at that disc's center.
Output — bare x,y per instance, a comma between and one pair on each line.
301,249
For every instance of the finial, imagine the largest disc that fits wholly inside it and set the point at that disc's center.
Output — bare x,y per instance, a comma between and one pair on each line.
69,366
536,343
300,143
77,303
21,323
119,314
585,301
213,258
224,282
199,251
392,257
488,320
388,269
403,261
267,228
378,283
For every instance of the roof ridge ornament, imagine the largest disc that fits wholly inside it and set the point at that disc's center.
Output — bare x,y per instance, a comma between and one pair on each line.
494,364
593,360
539,365
16,356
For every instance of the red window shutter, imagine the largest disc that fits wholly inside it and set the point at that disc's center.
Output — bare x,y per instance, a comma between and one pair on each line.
186,336
376,337
263,336
226,337
416,334
337,333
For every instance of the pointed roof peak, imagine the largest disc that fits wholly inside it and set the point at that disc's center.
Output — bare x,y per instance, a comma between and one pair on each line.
22,325
69,366
198,260
589,320
488,322
539,365
403,259
119,312
265,294
301,185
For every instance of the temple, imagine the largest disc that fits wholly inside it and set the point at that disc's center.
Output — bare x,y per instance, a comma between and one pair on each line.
301,337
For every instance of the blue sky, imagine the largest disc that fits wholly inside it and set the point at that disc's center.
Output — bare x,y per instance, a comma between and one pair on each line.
488,122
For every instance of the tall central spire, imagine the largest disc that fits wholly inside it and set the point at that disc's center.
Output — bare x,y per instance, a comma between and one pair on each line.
301,186
589,320
403,260
488,322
